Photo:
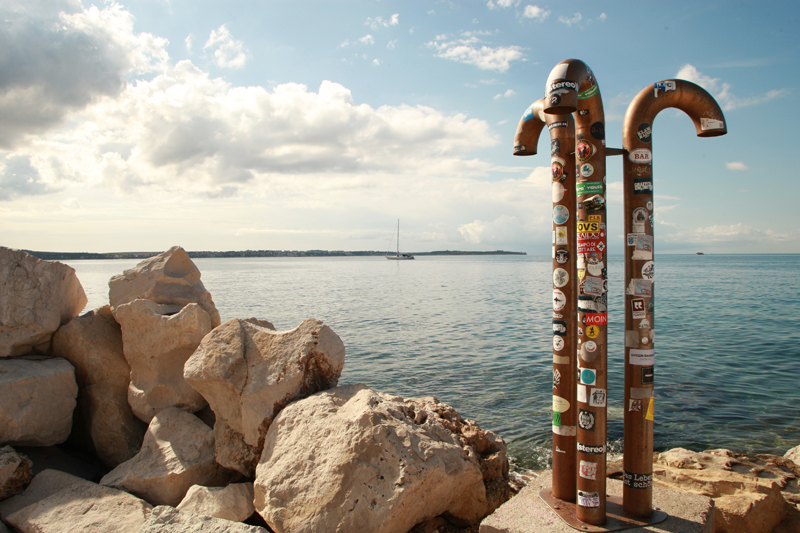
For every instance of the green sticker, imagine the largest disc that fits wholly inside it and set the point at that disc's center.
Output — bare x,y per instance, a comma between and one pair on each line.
592,187
557,419
588,93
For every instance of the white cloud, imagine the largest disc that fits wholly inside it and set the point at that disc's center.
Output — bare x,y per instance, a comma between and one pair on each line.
736,165
391,45
535,12
508,94
228,52
472,52
376,62
721,91
368,39
602,17
738,234
576,18
379,22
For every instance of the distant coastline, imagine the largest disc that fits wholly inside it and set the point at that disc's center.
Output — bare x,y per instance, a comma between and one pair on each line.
71,256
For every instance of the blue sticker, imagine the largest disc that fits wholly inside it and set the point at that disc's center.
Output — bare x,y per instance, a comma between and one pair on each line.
560,214
528,114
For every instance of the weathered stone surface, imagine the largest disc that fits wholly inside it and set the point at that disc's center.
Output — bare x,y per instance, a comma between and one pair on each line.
249,372
234,502
746,491
170,278
93,344
177,452
37,397
84,507
165,519
352,459
44,484
36,297
793,455
15,472
157,340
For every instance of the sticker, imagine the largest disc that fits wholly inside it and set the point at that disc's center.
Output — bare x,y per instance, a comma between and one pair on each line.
562,87
556,378
557,169
650,409
597,319
556,419
565,431
711,124
559,450
590,346
527,116
663,86
560,277
643,247
597,398
562,256
561,359
582,393
643,186
592,304
584,150
555,99
591,243
645,340
596,218
586,170
588,470
640,393
559,300
555,146
650,306
644,132
588,376
592,332
642,357
637,481
649,206
561,215
588,93
591,450
559,328
632,239
598,131
589,352
641,170
556,315
634,405
595,204
586,419
594,266
560,404
582,112
648,375
640,287
637,308
558,343
554,236
561,232
592,286
641,155
644,324
558,191
588,227
593,187
631,339
560,124
648,270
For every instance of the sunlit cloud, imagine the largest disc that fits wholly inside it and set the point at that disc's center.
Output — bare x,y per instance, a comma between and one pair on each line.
535,13
470,51
736,165
721,91
576,19
228,52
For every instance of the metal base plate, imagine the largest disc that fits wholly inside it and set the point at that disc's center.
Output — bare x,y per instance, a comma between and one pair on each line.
616,518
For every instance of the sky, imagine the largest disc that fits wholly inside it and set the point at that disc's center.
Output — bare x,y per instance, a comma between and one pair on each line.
299,125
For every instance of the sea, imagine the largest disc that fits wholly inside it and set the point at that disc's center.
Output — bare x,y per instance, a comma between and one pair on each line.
476,333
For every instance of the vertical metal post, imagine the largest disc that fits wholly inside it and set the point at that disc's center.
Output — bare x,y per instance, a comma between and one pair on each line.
639,272
571,87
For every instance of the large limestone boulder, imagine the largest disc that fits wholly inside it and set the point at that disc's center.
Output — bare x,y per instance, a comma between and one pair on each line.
37,397
157,340
177,452
234,502
36,297
170,278
44,484
165,519
352,459
746,491
15,472
84,507
248,373
793,455
93,344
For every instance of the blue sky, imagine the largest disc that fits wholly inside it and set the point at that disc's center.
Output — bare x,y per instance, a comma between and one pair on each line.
316,125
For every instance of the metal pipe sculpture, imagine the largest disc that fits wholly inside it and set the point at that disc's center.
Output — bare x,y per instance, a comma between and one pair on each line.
639,319
562,142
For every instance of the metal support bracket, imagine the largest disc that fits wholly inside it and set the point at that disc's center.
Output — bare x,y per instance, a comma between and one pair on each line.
616,518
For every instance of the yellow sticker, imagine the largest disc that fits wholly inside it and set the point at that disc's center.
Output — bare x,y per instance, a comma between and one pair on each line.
650,409
593,218
588,227
592,332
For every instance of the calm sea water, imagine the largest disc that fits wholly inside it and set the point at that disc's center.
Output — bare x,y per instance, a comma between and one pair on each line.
476,333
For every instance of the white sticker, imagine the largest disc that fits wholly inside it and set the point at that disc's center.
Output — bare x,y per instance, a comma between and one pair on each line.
641,155
561,236
558,191
560,277
558,343
597,398
559,300
560,404
565,431
643,357
648,271
582,393
711,124
588,470
561,359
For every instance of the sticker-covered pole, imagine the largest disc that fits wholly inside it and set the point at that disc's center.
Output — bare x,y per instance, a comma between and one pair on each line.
572,88
639,272
562,142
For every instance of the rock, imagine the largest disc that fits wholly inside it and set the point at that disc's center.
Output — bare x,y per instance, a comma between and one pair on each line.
165,519
36,297
93,344
177,452
157,340
44,484
37,397
248,373
170,278
793,455
234,502
15,472
84,507
352,459
746,491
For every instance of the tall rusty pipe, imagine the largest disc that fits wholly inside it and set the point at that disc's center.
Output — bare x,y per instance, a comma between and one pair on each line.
562,171
639,271
572,88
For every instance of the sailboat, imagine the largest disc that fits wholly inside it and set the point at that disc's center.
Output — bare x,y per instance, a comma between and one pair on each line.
398,256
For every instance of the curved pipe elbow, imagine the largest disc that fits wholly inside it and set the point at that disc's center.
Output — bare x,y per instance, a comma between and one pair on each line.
569,81
529,128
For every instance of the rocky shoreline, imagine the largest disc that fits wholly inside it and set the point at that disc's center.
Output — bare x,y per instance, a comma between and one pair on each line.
148,414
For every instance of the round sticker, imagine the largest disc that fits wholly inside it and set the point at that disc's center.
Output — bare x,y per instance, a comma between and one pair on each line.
558,343
587,170
644,131
559,300
562,256
558,191
592,332
584,150
560,214
591,346
560,404
648,270
649,206
557,169
598,130
595,267
645,340
560,277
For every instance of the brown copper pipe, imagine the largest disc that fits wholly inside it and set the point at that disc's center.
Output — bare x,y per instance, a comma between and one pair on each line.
639,318
572,88
562,142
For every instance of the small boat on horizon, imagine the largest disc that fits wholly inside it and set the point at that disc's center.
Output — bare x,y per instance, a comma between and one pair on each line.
700,253
398,256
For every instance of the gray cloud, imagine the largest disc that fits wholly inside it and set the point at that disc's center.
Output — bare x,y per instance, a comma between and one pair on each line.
19,178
